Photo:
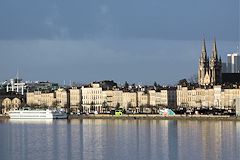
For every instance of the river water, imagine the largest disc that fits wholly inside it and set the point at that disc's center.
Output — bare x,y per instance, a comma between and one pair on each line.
91,139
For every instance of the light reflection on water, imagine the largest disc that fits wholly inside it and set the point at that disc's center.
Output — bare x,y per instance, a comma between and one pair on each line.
119,139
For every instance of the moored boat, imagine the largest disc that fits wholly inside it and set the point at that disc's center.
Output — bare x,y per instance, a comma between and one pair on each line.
37,114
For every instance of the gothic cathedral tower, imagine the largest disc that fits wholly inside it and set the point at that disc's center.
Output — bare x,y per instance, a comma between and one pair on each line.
215,66
209,72
203,65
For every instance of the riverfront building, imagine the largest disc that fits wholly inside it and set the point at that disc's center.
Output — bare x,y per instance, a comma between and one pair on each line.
92,97
38,98
211,96
8,102
112,98
75,99
58,98
61,98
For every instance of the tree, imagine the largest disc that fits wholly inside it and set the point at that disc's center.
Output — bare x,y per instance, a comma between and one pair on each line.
155,84
92,107
1,109
55,104
66,108
105,106
134,86
118,106
183,82
141,108
80,107
32,105
130,107
126,85
22,105
8,107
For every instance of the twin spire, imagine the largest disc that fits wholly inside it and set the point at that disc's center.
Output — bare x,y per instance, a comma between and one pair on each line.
209,71
204,50
214,50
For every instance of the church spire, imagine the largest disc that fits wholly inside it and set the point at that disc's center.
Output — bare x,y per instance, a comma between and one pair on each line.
214,50
204,51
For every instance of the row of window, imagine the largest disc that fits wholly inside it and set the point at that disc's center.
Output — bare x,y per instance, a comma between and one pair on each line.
92,97
93,92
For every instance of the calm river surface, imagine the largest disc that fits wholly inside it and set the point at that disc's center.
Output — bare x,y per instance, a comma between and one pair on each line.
91,139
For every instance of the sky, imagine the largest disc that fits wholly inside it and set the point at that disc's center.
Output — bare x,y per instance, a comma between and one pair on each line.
139,41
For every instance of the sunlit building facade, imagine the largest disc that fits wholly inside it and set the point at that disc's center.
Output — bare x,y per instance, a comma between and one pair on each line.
92,99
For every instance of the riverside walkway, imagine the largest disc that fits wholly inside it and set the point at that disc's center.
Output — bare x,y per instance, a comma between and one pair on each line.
156,116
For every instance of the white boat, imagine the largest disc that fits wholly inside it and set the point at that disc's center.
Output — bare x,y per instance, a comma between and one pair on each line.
37,114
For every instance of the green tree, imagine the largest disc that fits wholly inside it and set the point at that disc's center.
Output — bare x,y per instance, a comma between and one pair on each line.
155,84
66,108
80,107
183,82
55,104
153,109
130,107
92,107
141,108
1,109
105,106
126,85
117,106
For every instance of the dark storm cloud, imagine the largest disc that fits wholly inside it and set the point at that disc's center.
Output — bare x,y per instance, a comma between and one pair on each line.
135,40
77,19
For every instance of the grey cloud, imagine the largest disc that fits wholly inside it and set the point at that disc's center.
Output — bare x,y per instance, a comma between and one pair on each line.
135,40
174,20
89,60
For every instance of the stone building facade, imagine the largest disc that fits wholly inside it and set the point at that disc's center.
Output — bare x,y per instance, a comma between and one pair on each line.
92,97
56,99
75,99
9,103
212,96
113,98
38,98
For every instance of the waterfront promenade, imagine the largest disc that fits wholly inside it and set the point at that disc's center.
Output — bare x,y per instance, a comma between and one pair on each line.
150,116
156,116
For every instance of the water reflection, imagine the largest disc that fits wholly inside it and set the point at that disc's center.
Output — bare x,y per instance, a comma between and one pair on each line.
207,140
31,121
120,139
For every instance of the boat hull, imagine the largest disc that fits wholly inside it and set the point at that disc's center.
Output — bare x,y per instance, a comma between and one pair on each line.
37,114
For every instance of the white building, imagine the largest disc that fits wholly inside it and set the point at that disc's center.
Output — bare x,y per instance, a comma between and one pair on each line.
92,98
16,85
233,65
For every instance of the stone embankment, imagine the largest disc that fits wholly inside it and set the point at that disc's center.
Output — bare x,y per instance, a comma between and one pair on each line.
3,116
157,116
150,116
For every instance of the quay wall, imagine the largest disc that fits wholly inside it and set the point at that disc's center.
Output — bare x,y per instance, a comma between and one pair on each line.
151,116
156,116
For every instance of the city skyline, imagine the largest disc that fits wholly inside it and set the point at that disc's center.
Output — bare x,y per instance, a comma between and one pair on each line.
87,41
